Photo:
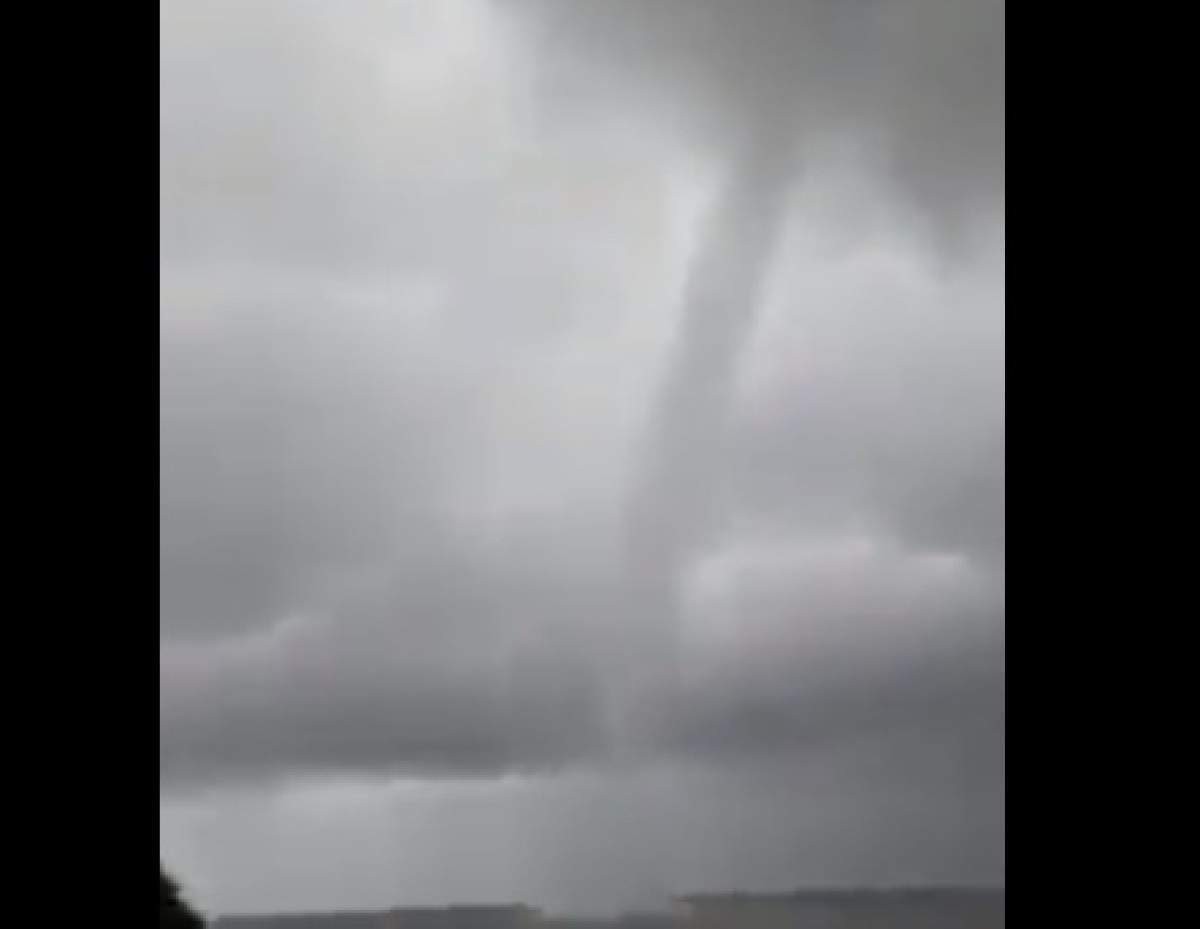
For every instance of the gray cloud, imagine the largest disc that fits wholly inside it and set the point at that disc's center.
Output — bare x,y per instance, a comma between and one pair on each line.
486,450
872,811
922,79
447,662
290,448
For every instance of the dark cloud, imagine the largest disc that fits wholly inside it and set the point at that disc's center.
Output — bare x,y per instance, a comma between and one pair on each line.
922,79
445,663
457,664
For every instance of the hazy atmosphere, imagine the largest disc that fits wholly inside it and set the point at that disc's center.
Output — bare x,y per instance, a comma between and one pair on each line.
582,449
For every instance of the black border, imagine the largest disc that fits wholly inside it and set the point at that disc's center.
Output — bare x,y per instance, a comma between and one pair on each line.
83,129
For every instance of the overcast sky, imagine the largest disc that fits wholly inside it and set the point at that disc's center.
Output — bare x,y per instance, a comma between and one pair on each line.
582,448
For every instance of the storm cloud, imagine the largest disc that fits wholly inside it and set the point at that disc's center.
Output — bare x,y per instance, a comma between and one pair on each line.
570,392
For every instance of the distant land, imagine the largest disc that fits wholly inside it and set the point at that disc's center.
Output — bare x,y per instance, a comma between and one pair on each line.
895,908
